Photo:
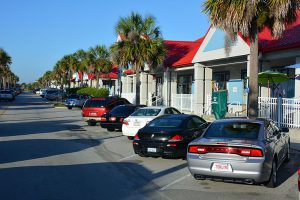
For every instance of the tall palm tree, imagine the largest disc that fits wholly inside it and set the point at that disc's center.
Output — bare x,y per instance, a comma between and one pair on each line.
5,61
83,62
142,44
73,66
249,17
100,61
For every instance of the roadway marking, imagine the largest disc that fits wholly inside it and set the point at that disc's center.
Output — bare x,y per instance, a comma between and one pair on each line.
174,182
134,155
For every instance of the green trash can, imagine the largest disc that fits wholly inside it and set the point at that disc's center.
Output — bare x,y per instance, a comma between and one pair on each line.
219,104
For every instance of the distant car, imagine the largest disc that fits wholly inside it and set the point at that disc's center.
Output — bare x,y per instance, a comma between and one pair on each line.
243,150
95,107
6,95
57,96
42,92
141,117
114,119
76,100
48,93
168,135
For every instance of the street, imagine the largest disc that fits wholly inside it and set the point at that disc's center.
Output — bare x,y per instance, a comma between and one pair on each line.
49,153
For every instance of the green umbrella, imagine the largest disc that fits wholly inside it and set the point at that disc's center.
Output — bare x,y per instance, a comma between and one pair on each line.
271,77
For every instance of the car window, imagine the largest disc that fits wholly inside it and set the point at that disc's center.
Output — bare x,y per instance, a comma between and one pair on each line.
123,110
94,103
165,122
175,111
146,112
233,130
198,121
168,111
191,123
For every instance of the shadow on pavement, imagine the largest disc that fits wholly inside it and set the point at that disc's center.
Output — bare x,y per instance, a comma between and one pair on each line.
20,150
36,127
75,182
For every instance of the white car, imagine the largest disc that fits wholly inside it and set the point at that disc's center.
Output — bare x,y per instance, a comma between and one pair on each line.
143,116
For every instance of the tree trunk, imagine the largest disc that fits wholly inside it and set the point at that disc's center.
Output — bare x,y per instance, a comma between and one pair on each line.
253,80
137,87
4,82
97,81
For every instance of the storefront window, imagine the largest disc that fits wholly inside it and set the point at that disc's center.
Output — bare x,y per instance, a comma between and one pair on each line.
220,79
184,84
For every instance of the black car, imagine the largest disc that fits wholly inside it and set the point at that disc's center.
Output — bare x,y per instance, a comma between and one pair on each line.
168,135
114,119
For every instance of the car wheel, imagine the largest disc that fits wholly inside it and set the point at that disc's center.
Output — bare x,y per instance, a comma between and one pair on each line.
287,156
130,137
92,123
110,129
70,107
272,183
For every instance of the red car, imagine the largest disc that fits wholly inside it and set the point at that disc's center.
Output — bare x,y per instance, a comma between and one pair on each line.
95,107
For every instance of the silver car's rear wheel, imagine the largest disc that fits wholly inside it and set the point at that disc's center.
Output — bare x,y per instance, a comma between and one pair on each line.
272,183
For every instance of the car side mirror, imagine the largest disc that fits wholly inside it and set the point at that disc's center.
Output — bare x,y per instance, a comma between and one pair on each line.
284,129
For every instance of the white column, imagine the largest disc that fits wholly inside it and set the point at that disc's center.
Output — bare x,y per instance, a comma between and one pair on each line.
208,86
165,87
143,88
199,89
297,81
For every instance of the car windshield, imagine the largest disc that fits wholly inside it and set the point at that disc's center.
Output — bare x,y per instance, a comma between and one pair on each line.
233,130
73,96
52,91
165,122
147,112
95,103
124,110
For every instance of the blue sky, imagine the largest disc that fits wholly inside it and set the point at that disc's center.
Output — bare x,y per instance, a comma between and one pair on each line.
37,33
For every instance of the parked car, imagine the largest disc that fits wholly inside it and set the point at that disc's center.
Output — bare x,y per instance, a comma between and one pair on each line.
168,135
6,95
56,96
94,108
76,100
141,117
247,150
49,93
42,92
114,119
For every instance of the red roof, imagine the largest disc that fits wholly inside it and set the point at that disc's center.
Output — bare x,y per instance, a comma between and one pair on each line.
289,40
181,53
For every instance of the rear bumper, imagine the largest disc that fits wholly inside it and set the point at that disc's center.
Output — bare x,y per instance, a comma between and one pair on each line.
250,169
130,131
111,125
161,149
94,119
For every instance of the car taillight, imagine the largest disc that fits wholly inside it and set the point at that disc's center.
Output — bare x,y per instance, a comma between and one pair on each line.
176,138
112,119
103,119
136,137
249,152
125,122
121,120
299,179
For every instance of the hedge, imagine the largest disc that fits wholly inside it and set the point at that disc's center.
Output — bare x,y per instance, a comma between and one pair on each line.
73,90
102,92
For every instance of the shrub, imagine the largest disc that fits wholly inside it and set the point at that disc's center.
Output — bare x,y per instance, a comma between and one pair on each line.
73,90
102,92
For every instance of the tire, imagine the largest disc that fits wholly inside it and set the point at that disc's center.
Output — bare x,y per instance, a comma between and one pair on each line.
287,156
92,123
272,183
70,107
111,129
130,137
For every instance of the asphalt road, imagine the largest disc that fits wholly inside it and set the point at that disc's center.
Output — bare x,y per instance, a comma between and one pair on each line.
49,153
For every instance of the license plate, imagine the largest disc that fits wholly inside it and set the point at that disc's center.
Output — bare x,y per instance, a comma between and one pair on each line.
221,167
152,150
93,114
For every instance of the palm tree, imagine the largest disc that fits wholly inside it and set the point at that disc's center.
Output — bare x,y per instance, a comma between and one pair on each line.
249,18
5,61
83,62
100,61
73,65
142,44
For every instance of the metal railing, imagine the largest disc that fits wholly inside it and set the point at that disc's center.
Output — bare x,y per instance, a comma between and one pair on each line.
183,102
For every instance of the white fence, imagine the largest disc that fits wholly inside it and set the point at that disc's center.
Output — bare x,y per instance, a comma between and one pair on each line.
286,112
183,102
129,96
208,105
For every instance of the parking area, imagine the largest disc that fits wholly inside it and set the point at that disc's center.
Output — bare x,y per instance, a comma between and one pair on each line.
105,163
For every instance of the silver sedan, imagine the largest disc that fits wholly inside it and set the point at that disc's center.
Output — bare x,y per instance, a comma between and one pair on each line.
241,150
